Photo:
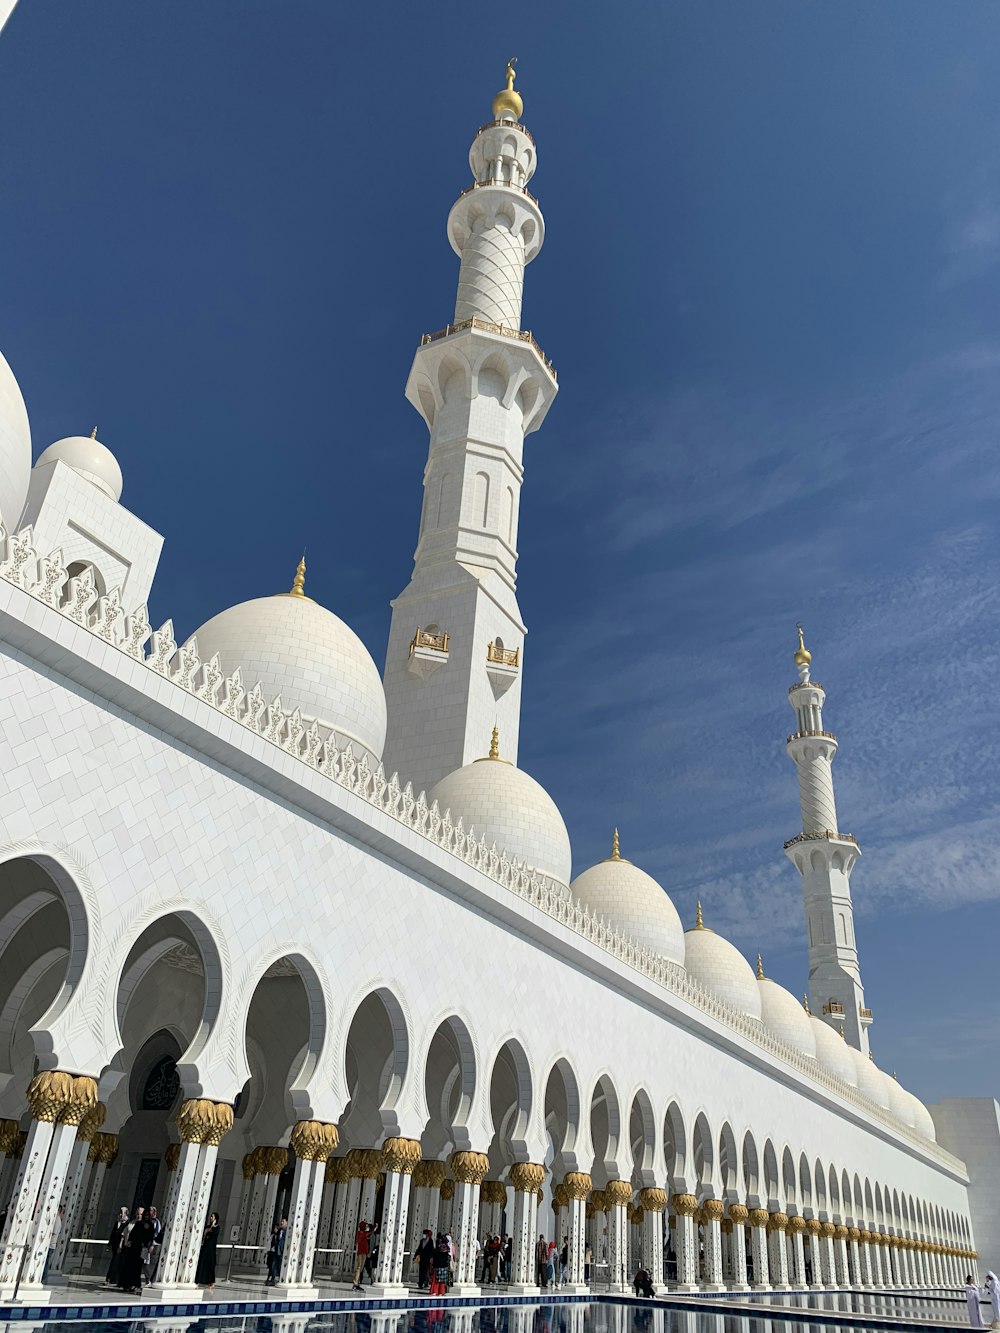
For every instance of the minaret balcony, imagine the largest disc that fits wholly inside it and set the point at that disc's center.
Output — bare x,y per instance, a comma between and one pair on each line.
502,667
505,125
827,834
866,1017
428,652
518,335
835,1008
801,735
500,185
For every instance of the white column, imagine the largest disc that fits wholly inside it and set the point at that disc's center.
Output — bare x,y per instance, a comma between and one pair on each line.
739,1213
312,1141
11,1164
840,1268
711,1212
104,1150
758,1218
249,1169
578,1185
202,1125
853,1257
777,1251
796,1226
469,1169
618,1194
446,1205
526,1178
653,1201
59,1102
345,1219
277,1161
400,1156
685,1206
73,1194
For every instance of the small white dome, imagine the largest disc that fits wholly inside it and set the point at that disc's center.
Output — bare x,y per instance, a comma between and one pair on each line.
88,456
833,1053
871,1080
298,649
506,806
782,1014
15,449
923,1121
634,902
721,968
899,1101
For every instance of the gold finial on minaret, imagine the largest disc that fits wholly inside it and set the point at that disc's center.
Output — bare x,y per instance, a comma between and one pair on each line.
843,1035
93,433
298,588
802,654
616,854
507,102
495,744
699,922
805,1004
760,968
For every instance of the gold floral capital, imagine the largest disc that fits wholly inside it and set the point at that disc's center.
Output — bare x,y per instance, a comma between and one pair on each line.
777,1222
713,1209
598,1201
840,1232
8,1135
738,1213
526,1177
684,1205
429,1173
336,1172
203,1121
578,1184
726,1226
60,1098
560,1196
447,1188
652,1200
853,1234
172,1156
814,1226
400,1155
758,1217
796,1225
618,1193
91,1123
368,1163
469,1168
314,1140
494,1191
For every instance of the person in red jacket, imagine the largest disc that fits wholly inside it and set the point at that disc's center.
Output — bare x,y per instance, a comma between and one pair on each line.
360,1254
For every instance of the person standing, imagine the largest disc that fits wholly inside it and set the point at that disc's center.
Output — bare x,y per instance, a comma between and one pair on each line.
154,1245
114,1244
508,1256
541,1256
442,1265
973,1295
132,1252
993,1292
276,1250
360,1254
452,1257
371,1260
424,1257
205,1272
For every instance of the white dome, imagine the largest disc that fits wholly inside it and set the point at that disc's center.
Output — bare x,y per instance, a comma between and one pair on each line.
634,902
15,449
721,968
782,1014
871,1080
923,1121
88,456
506,806
833,1053
899,1101
298,649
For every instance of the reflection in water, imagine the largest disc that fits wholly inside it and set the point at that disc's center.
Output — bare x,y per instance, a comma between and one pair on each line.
542,1318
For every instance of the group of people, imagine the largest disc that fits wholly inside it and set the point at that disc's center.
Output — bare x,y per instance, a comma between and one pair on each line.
989,1291
135,1243
552,1263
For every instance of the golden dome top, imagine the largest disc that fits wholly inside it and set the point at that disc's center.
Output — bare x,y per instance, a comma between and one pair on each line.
616,854
802,654
507,101
494,753
298,588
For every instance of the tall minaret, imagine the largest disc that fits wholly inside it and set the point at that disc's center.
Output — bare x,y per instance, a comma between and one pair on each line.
824,858
455,655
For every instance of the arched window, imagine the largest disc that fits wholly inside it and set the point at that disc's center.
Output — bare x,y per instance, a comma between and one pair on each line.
162,1085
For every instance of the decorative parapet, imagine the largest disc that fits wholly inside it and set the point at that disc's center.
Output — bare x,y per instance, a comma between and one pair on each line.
518,335
423,638
505,125
503,656
822,835
77,599
500,185
801,735
834,1007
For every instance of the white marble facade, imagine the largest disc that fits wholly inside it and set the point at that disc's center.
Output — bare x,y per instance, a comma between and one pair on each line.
246,963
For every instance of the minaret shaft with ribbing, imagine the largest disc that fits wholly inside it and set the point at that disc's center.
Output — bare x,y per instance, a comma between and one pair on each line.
456,642
825,857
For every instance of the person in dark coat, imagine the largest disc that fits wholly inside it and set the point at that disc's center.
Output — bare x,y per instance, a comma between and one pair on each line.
279,1234
425,1256
205,1272
132,1253
114,1244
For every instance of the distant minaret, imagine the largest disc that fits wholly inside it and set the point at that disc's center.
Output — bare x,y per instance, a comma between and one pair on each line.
824,858
456,643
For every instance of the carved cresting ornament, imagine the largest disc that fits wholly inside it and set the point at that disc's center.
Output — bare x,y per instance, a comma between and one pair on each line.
578,1184
401,1155
469,1168
314,1140
526,1177
61,1098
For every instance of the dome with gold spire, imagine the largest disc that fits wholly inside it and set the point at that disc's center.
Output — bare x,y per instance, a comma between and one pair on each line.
507,104
634,902
307,655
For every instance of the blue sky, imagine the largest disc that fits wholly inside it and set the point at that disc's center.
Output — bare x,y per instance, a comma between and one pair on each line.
771,286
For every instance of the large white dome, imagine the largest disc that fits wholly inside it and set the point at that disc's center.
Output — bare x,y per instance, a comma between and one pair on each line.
634,902
899,1101
298,649
923,1121
782,1014
15,449
833,1053
871,1080
721,969
506,806
86,455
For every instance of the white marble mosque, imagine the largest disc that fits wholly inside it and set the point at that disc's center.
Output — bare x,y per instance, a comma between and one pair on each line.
280,931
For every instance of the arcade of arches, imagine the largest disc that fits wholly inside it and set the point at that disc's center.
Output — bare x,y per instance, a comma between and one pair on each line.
704,1204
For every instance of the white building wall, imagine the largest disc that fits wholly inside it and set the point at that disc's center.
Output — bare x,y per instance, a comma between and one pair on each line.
970,1127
